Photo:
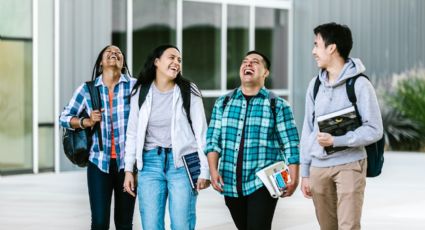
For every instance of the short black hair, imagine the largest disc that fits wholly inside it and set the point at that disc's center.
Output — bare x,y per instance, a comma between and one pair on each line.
266,62
340,35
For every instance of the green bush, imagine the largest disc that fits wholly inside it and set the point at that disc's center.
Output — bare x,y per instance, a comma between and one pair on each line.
409,99
406,102
400,133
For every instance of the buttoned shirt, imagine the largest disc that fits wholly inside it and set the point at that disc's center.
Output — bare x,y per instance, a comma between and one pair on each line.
118,119
262,134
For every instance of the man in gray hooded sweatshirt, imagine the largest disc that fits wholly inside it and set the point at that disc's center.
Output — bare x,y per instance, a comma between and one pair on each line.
337,181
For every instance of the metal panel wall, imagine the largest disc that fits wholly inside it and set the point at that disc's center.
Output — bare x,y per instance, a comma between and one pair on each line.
85,28
388,37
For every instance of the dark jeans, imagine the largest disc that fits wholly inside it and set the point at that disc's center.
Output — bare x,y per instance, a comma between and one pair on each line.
252,212
101,186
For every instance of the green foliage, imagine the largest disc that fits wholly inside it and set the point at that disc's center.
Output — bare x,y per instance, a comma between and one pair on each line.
409,99
404,114
400,132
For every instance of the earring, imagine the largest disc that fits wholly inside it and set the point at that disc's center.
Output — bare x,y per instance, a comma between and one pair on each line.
100,69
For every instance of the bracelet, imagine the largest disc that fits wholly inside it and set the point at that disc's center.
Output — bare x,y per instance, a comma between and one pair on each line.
81,123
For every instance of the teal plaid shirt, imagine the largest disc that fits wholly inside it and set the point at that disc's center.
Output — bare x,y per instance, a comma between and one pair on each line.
261,146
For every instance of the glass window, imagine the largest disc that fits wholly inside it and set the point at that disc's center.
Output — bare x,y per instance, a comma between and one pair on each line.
15,18
46,85
201,43
46,147
237,42
271,38
16,86
119,24
15,105
208,106
154,24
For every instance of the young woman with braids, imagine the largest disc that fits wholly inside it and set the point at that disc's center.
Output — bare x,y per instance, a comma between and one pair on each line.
159,134
105,171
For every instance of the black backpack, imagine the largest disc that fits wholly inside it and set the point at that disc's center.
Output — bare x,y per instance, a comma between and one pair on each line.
77,143
185,92
375,151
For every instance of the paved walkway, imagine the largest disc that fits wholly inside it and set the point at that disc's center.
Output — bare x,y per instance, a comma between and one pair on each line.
49,201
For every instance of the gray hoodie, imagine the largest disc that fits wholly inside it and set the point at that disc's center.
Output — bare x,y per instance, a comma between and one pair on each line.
332,98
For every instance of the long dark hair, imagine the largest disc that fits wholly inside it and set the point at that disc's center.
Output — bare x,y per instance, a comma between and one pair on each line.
148,73
97,70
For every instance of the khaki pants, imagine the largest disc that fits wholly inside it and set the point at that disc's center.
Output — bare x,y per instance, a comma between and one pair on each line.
338,194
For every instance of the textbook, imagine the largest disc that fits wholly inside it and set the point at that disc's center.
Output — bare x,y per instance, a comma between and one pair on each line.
338,123
192,164
275,177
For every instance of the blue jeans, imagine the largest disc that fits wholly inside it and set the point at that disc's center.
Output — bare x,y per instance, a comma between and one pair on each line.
159,180
101,185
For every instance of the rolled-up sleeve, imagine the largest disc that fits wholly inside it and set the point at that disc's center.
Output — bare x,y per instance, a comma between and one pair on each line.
75,106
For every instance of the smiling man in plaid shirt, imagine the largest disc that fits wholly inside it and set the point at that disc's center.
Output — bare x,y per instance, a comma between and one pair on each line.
246,136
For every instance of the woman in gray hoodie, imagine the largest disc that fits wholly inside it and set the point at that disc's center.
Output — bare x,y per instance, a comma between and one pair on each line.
336,181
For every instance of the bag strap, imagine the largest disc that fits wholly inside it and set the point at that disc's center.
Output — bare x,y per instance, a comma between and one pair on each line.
227,98
349,85
97,105
315,91
186,96
144,89
272,99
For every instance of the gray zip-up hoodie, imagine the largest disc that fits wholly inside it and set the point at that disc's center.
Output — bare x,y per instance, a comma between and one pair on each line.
332,98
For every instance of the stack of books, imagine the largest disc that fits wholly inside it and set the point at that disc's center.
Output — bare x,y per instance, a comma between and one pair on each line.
275,177
338,123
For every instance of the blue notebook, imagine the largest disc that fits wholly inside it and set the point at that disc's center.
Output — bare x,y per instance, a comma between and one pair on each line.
192,165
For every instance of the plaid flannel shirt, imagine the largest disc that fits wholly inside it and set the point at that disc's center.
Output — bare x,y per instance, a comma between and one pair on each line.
261,146
81,101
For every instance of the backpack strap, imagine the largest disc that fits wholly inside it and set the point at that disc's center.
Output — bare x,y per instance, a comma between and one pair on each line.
272,100
227,98
144,89
349,86
315,91
97,105
186,96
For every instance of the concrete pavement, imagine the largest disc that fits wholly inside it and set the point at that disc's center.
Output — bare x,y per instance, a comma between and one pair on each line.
395,200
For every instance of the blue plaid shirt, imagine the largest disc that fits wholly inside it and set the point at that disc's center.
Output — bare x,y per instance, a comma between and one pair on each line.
261,146
121,108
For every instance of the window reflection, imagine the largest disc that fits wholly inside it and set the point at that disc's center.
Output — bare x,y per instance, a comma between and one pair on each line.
201,43
154,24
15,106
271,38
208,106
119,24
46,143
237,42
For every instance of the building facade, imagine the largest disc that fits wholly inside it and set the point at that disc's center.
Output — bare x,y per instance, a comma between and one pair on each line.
48,48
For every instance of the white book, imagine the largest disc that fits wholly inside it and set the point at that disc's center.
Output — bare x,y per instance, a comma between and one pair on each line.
268,176
348,110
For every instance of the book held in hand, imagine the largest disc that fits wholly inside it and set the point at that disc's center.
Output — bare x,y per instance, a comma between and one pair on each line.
275,177
192,165
338,123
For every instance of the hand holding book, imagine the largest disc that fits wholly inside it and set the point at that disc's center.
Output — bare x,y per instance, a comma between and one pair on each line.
277,179
202,183
325,139
292,186
337,123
